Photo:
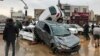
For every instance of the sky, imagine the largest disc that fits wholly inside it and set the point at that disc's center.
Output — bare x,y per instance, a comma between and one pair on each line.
6,5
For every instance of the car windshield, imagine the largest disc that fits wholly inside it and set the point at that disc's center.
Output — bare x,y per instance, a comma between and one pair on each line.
59,30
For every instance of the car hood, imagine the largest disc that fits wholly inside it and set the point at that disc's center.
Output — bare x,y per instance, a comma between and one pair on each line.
69,41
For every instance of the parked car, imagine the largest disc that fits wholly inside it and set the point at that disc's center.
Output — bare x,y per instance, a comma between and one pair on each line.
57,37
72,30
76,26
27,33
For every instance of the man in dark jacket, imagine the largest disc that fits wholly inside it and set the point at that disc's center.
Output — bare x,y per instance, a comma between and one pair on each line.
86,31
9,36
92,27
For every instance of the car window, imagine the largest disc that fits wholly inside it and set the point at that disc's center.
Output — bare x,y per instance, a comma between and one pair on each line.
46,28
49,18
52,10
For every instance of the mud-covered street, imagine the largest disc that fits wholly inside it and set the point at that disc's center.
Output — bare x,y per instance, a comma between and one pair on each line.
25,49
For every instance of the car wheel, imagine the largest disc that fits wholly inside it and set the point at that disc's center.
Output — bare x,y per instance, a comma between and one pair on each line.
37,39
54,49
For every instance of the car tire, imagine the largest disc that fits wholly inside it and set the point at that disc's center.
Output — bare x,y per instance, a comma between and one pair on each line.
37,38
54,49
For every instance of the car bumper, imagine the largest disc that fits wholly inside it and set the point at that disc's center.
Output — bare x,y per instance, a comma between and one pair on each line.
74,49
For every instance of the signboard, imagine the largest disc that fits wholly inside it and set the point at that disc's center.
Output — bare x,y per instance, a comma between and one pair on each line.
80,14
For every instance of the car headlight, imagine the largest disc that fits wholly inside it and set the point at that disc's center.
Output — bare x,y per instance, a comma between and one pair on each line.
63,47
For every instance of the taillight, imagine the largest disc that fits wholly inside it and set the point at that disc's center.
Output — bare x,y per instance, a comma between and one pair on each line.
57,15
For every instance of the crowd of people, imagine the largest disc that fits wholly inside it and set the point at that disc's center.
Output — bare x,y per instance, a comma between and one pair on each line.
95,31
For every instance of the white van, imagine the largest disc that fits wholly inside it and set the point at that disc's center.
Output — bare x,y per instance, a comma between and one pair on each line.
54,12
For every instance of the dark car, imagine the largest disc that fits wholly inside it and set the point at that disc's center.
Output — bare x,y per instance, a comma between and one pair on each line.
57,37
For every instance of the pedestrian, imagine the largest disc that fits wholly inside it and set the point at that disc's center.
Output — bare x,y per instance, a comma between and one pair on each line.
9,36
92,27
96,34
18,24
86,31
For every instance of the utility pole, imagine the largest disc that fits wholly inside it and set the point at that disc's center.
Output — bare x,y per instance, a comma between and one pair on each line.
11,12
59,4
25,7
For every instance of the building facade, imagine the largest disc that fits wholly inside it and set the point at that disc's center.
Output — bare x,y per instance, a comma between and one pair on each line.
76,14
2,22
18,16
97,17
3,18
37,13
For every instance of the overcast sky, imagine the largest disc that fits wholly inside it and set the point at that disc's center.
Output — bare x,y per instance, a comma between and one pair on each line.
6,5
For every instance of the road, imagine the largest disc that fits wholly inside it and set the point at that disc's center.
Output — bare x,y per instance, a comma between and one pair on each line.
25,49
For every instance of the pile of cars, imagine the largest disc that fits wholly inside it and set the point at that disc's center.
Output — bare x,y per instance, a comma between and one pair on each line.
58,36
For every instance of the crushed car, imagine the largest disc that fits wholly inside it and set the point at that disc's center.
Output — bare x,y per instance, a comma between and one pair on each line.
56,37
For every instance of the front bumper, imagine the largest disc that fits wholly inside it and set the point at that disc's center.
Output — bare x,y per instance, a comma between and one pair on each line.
73,49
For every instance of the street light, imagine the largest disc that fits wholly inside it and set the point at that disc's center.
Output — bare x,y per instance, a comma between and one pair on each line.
25,7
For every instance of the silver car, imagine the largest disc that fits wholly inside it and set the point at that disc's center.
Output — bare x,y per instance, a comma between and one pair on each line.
57,37
27,33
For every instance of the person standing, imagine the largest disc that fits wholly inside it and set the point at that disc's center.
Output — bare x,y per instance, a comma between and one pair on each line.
18,24
92,27
9,36
96,34
86,31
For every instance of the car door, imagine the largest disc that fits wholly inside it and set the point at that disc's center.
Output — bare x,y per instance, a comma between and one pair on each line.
39,29
46,34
